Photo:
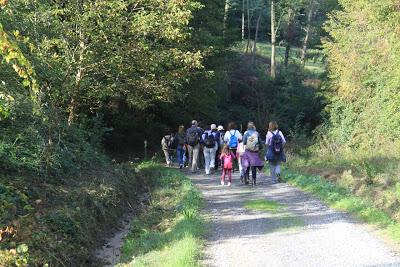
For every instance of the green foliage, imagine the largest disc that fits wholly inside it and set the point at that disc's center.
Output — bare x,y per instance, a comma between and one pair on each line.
60,223
169,232
363,60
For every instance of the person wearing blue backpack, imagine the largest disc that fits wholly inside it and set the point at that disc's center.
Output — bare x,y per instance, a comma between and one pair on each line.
232,138
275,142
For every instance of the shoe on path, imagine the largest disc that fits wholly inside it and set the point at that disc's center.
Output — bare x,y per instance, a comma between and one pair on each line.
222,183
229,183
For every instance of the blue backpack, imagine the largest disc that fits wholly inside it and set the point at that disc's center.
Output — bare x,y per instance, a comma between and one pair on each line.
233,140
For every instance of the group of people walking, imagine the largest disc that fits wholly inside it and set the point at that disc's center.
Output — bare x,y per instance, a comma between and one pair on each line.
231,150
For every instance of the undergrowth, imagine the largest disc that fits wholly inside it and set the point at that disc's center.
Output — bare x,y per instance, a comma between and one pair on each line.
168,232
60,223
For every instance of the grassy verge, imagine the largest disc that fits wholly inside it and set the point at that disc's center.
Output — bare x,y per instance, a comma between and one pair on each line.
59,223
169,232
341,198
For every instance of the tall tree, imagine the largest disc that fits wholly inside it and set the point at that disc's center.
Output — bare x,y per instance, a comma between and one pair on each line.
289,35
257,29
243,19
248,26
226,14
307,31
273,38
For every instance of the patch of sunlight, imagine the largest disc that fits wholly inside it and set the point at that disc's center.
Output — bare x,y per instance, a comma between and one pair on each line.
262,204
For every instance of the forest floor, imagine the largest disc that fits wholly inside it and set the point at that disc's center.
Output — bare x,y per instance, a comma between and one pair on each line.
279,225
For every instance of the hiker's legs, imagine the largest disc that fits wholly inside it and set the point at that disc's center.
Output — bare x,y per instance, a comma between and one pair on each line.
216,161
223,176
235,161
195,157
230,175
240,166
166,154
247,175
278,168
179,153
272,170
254,173
213,152
207,159
200,157
190,152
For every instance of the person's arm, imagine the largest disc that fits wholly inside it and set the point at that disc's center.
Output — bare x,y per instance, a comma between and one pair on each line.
186,137
239,136
245,138
203,137
260,143
268,139
226,137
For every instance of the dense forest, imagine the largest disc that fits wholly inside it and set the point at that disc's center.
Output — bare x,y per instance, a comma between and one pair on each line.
84,83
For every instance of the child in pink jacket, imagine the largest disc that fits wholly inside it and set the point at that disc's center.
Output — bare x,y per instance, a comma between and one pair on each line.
227,158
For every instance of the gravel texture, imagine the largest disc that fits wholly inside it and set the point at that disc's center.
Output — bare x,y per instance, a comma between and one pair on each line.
318,236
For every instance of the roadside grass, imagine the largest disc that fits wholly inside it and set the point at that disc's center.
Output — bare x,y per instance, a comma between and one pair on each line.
169,232
341,198
286,222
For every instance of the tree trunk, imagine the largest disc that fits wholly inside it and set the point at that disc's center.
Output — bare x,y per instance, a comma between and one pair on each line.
289,36
273,40
248,27
226,12
78,78
243,21
257,28
308,32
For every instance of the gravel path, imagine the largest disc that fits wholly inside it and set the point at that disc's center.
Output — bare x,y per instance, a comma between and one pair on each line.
304,233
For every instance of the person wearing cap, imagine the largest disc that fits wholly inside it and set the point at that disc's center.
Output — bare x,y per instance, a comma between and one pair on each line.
221,133
193,138
210,139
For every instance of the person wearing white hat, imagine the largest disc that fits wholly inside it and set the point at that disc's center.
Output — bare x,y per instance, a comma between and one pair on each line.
210,140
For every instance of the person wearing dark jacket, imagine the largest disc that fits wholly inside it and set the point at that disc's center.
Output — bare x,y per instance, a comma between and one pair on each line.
193,138
180,139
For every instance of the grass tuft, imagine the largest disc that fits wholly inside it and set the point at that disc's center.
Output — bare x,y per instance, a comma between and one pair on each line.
264,205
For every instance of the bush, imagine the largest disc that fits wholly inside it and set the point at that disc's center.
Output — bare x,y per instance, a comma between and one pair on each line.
62,223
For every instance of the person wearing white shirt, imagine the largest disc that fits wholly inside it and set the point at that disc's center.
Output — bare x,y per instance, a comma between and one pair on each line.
232,138
275,141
